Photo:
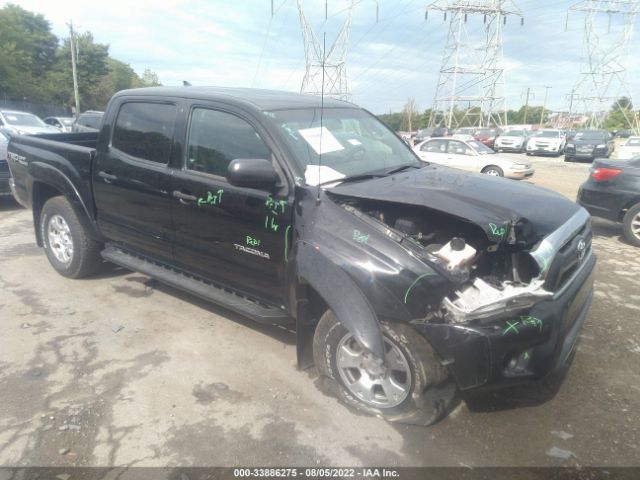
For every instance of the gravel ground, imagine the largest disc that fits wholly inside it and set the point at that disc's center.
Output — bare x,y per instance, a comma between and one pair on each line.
120,370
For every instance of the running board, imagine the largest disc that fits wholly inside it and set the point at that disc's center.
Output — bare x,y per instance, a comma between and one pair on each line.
207,291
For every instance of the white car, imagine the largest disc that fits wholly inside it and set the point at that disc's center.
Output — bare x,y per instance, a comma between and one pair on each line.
472,156
24,123
511,140
547,142
629,149
63,124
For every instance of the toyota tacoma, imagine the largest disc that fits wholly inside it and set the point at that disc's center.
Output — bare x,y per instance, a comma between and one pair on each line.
406,282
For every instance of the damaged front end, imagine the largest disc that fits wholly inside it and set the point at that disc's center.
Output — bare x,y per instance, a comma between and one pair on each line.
512,301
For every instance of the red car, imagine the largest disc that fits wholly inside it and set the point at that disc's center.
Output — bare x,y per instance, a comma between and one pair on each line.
487,136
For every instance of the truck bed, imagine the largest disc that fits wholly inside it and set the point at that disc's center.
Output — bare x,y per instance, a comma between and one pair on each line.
65,155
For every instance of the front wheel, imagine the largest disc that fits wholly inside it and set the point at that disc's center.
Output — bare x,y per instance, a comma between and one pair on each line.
631,225
493,170
409,386
69,247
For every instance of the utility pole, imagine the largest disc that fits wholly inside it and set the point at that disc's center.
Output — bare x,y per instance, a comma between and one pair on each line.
603,77
472,72
526,106
570,124
544,105
74,69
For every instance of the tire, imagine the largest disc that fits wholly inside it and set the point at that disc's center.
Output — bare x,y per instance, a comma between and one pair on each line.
493,170
60,228
528,154
429,389
568,159
630,222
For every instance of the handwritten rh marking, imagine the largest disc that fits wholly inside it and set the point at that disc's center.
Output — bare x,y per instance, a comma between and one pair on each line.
497,231
253,242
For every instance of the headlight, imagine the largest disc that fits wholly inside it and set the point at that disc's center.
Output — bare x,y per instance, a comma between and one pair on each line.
602,145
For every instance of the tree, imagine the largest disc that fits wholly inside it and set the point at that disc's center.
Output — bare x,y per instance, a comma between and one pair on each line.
150,79
411,118
27,52
621,116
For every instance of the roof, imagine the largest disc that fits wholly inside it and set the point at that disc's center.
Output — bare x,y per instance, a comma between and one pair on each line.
249,97
2,110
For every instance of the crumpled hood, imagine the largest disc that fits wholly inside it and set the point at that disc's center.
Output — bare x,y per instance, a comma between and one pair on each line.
489,202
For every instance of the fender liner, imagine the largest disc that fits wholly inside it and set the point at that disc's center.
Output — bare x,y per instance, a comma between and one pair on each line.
343,295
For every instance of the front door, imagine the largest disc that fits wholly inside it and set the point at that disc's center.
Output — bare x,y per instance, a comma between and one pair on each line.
131,178
230,235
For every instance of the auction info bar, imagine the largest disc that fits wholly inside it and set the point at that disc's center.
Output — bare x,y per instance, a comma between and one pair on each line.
403,473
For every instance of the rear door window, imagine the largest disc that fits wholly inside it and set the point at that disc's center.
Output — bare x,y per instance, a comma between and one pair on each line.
145,130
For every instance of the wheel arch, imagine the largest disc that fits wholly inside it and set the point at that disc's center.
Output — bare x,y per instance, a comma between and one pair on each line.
627,206
322,285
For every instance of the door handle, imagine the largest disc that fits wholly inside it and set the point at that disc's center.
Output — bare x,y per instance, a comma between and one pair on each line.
107,177
184,198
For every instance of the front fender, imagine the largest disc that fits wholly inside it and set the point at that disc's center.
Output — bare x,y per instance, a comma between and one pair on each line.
343,295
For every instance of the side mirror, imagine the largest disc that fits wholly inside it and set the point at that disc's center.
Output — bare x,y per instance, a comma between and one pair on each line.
252,173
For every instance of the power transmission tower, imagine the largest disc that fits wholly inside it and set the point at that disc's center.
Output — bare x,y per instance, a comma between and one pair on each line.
603,77
472,74
333,64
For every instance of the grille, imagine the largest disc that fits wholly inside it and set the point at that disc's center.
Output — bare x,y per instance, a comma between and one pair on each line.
568,259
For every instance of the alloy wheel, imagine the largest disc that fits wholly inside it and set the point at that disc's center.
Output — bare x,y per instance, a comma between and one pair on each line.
60,241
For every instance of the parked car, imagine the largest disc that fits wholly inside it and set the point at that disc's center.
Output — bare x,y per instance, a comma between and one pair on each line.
5,176
612,191
422,135
405,282
23,123
441,132
630,149
546,142
88,121
487,136
465,131
589,144
511,141
472,156
64,124
623,133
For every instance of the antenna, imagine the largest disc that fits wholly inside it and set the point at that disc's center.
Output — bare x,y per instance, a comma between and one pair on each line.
324,49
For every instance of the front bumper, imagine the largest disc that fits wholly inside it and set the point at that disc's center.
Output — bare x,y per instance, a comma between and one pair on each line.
585,155
520,174
509,147
515,349
541,150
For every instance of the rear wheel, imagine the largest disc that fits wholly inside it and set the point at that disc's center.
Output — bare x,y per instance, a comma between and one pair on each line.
409,386
69,248
568,159
493,170
631,225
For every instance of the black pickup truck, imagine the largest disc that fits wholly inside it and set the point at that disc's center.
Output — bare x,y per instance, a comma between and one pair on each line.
406,283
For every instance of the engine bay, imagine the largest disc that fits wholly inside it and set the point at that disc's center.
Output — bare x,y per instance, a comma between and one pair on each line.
487,278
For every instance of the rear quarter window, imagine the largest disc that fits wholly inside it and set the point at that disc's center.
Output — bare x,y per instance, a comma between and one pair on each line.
145,130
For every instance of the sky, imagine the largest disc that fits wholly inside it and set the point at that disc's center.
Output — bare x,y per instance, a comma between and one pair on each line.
399,56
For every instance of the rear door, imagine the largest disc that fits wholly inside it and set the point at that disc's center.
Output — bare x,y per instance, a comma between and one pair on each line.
131,176
233,236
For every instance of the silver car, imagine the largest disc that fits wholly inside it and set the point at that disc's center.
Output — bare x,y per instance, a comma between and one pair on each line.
63,124
472,156
24,123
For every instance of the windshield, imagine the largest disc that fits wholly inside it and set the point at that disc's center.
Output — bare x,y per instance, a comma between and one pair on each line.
479,147
486,133
23,119
548,133
589,136
513,133
352,141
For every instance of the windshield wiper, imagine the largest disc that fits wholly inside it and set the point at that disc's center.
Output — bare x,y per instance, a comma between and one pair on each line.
353,178
402,168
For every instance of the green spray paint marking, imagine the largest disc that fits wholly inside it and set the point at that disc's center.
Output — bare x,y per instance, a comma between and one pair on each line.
270,223
525,321
253,242
406,294
286,244
212,199
276,206
497,231
511,326
360,237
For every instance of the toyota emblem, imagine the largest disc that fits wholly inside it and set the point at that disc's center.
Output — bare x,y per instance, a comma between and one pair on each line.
582,249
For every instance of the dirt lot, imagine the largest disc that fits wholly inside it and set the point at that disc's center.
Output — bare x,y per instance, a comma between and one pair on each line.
119,370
